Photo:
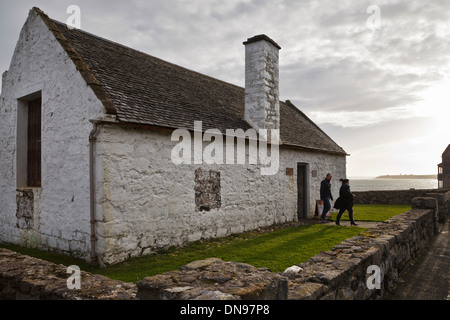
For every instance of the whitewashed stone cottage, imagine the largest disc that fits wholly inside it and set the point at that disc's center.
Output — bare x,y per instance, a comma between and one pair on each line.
86,134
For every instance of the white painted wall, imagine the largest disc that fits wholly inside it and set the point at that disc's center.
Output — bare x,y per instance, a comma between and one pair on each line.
62,216
148,202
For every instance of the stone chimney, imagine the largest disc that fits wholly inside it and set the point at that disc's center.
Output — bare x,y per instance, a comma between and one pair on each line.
262,103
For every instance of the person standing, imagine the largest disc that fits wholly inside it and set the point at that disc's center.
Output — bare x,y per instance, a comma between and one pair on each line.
326,196
345,202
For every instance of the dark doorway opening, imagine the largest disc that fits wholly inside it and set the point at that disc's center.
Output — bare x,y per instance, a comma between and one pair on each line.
34,143
302,190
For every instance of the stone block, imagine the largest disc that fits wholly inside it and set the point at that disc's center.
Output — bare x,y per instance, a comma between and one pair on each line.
424,203
305,291
23,277
345,294
202,279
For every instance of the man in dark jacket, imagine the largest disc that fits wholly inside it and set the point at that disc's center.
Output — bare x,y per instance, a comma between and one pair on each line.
326,196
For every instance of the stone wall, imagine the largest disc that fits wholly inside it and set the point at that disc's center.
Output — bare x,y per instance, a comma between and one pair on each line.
148,203
405,197
214,279
341,273
391,196
26,278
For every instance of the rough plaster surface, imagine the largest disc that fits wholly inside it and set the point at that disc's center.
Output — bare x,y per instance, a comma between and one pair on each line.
262,106
149,203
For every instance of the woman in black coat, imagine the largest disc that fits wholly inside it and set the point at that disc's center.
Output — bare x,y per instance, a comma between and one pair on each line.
345,202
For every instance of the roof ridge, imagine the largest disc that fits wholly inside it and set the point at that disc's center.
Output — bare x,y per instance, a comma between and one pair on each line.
79,63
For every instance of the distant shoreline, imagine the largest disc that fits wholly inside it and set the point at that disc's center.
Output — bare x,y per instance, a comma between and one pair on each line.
408,176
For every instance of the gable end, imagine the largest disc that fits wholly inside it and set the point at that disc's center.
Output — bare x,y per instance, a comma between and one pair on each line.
81,66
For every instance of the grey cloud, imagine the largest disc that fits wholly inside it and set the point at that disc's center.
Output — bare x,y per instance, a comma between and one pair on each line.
329,61
347,85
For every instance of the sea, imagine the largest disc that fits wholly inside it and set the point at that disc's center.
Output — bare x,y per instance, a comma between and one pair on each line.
373,184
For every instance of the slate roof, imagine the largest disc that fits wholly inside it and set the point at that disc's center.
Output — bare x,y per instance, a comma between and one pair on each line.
142,89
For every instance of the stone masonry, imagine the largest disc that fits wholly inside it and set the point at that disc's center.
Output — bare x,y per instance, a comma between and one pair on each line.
406,197
341,273
262,108
26,278
214,279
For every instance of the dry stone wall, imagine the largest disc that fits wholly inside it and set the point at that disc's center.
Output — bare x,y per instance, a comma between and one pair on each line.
406,197
341,273
393,196
27,278
351,270
214,279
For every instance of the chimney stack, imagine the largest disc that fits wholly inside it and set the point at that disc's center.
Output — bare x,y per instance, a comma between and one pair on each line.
262,103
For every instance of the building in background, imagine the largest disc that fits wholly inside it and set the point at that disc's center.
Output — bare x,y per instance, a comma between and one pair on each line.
444,170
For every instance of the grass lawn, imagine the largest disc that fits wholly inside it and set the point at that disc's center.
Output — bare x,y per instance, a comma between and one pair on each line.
373,212
276,250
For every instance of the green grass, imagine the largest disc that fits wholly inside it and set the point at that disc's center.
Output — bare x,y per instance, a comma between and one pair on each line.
373,212
277,250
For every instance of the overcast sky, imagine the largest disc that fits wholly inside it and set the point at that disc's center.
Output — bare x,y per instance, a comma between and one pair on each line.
374,75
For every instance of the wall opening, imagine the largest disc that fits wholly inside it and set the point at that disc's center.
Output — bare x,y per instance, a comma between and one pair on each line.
25,209
302,190
29,134
207,190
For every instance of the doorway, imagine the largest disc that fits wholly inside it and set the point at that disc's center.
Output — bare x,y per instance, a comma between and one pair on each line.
302,190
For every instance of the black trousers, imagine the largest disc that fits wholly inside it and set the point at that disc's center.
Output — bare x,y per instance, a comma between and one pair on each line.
350,214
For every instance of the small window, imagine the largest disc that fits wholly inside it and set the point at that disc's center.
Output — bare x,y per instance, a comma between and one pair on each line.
29,147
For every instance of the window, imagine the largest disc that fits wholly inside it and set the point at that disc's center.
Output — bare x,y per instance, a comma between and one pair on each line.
440,176
29,141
